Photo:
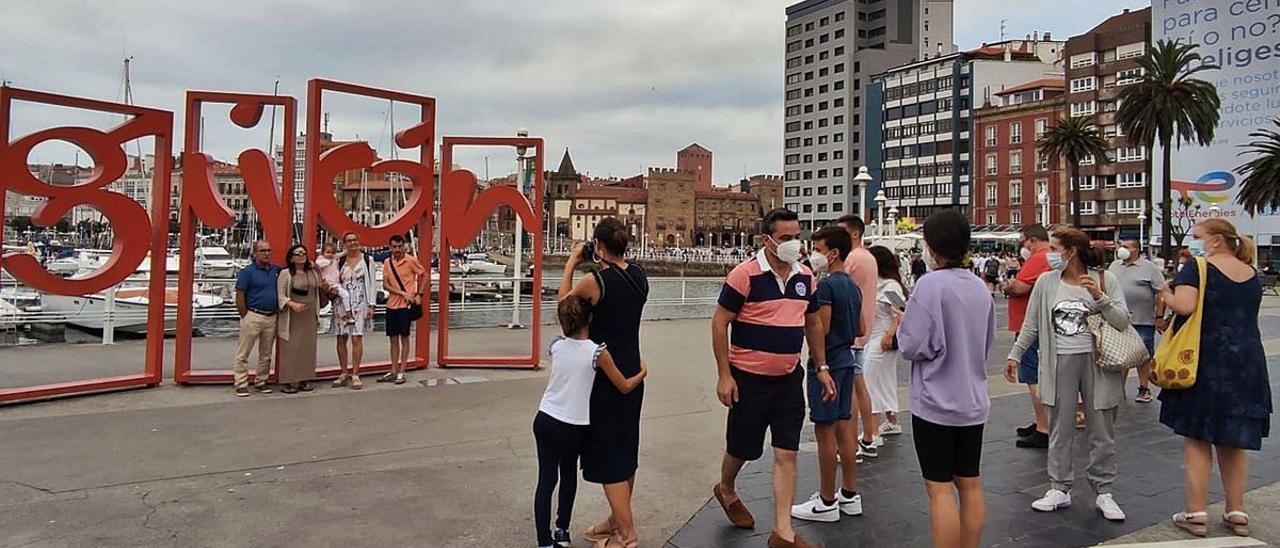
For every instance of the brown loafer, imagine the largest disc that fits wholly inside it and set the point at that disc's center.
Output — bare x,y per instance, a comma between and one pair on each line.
776,541
737,512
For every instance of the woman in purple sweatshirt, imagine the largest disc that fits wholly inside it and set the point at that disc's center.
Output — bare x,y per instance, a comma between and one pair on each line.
946,332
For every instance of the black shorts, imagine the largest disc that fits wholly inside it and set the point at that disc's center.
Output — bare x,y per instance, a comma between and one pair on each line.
947,452
773,403
398,322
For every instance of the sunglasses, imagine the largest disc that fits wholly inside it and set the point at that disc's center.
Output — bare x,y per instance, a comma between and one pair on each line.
299,253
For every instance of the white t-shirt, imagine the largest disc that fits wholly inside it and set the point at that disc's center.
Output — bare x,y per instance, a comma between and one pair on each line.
573,370
884,308
1071,309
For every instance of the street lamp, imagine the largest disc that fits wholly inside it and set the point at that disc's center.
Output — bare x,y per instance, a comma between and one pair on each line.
1142,228
519,234
893,221
862,179
880,200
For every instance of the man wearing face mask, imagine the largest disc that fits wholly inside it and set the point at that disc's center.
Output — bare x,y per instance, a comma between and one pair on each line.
769,302
861,266
1035,250
1142,282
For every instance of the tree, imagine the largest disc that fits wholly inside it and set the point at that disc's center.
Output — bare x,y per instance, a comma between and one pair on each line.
1261,186
1169,106
1184,219
1075,139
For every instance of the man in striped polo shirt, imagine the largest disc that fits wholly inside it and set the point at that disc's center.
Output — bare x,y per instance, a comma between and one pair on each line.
769,301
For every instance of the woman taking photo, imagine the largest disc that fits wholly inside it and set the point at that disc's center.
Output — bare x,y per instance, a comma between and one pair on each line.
1228,409
947,332
1057,315
355,273
301,295
882,349
617,291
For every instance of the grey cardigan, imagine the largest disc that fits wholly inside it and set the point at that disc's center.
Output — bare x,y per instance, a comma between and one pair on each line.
1108,387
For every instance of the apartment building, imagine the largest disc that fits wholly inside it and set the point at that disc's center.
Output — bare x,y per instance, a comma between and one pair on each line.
832,48
1014,183
1099,63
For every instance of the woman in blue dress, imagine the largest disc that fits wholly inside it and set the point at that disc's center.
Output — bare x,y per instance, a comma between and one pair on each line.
1228,409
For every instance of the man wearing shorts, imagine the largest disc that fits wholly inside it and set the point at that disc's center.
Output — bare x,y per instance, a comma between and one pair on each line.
862,269
840,309
1142,281
402,277
768,300
1035,249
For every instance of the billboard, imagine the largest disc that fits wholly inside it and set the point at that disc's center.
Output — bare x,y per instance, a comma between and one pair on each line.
1243,38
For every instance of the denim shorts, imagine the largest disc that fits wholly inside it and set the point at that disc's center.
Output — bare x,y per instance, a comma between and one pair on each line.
859,359
838,409
1029,367
1148,334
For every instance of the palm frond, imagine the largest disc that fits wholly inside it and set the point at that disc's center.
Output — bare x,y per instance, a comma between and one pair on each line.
1261,185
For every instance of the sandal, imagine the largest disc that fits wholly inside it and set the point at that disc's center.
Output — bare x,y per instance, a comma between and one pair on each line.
594,534
342,381
1183,520
614,540
387,377
1240,529
356,383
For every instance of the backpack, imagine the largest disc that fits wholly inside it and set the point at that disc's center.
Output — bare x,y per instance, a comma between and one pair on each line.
992,268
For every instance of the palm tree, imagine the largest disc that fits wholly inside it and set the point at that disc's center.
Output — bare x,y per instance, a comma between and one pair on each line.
1168,104
1261,185
1075,139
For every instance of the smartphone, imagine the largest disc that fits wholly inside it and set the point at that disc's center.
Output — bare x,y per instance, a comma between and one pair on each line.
897,300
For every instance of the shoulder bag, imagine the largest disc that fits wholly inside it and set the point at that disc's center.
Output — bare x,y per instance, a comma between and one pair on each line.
1178,355
1116,350
415,309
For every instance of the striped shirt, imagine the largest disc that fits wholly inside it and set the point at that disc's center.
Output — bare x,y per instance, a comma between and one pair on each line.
768,332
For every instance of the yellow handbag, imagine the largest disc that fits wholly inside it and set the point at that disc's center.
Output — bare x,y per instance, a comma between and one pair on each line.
1179,352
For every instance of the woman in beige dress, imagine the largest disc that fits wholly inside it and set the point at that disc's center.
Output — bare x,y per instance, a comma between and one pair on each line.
301,295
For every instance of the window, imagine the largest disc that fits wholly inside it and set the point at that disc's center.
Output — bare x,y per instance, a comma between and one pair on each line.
793,110
1087,182
1109,207
838,120
793,126
822,139
1129,51
793,94
822,56
1042,162
840,33
1015,161
808,191
808,26
1084,59
839,67
991,165
808,59
822,122
791,191
1132,154
794,175
808,208
823,105
1131,180
839,137
822,72
794,30
822,156
991,218
1015,217
839,102
1042,191
822,190
793,78
838,189
837,155
824,38
822,89
793,47
824,21
837,207
839,85
793,142
792,159
1130,76
1130,206
992,195
808,158
991,135
839,50
1084,108
839,16
1087,83
1088,160
1015,132
1015,192
822,208
793,62
808,75
1087,208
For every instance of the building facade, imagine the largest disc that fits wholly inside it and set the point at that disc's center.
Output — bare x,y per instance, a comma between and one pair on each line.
1014,183
926,120
832,47
696,159
1099,63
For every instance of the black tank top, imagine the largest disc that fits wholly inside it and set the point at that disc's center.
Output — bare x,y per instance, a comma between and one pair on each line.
615,319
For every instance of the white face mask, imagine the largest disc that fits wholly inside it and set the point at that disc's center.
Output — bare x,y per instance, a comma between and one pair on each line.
929,262
1026,253
1123,254
788,252
819,262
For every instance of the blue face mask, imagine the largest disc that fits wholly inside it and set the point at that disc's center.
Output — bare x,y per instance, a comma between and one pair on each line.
1196,248
1055,260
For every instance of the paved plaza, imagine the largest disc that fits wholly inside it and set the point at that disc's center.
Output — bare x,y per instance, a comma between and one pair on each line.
449,461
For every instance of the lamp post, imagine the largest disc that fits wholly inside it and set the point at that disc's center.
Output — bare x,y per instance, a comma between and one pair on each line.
519,234
893,222
862,179
880,200
1142,228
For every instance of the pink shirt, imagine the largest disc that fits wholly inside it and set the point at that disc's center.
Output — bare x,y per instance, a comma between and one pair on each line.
861,267
328,271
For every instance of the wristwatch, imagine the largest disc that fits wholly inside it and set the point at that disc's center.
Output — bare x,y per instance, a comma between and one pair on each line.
822,368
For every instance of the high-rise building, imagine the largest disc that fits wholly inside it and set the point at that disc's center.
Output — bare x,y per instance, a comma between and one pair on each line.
923,128
1015,184
832,49
1098,64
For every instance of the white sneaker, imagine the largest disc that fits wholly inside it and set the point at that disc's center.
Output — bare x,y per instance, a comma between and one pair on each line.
877,441
890,429
1107,505
867,449
851,506
816,510
1053,500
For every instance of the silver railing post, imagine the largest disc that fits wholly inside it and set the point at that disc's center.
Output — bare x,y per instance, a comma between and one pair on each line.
108,317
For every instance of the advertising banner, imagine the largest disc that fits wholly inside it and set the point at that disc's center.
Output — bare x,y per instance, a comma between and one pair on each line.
1243,38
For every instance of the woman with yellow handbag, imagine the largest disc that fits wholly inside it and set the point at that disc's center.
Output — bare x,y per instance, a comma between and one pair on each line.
1227,406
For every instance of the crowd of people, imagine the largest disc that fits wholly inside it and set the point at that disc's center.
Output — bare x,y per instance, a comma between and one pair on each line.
861,311
284,304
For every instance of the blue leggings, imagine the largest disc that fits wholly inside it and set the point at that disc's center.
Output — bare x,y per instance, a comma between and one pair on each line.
559,444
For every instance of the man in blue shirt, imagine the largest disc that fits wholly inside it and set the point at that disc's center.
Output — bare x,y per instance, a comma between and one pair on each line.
257,303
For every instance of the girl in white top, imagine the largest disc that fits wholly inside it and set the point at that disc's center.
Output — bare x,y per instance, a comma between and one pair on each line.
881,369
560,425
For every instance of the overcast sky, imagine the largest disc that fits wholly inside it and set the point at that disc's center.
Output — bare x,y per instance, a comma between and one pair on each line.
624,84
